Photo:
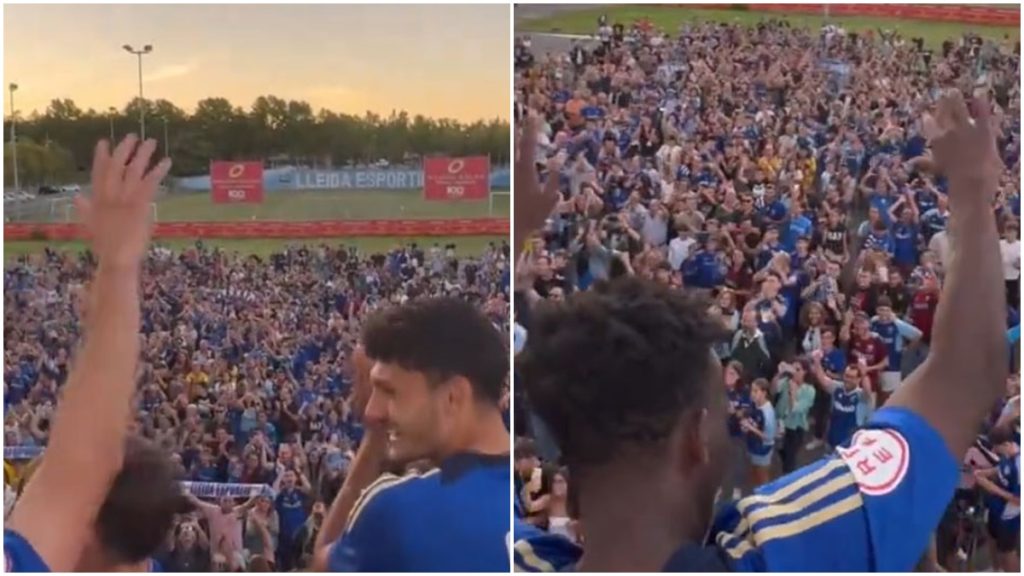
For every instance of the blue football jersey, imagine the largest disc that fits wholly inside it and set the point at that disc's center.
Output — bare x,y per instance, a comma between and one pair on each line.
454,518
1008,479
870,506
537,551
20,556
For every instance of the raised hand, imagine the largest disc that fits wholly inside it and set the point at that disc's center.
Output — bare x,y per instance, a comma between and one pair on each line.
964,147
117,214
532,204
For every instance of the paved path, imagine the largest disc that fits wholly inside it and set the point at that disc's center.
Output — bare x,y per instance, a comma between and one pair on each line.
543,43
535,11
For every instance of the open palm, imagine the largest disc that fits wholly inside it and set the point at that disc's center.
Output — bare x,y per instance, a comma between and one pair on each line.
117,216
964,147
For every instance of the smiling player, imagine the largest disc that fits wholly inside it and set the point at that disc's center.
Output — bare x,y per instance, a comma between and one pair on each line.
437,368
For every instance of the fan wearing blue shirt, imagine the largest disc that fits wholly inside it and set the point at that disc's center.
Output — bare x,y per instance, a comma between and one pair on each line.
936,219
1002,482
883,200
773,208
538,551
799,227
437,370
603,370
850,396
53,522
768,248
896,334
906,235
292,504
705,268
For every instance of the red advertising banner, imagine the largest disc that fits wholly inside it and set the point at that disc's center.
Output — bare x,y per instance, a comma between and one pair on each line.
236,182
959,13
467,178
281,229
942,13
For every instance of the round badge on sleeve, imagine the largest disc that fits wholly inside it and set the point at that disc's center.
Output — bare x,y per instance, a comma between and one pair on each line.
878,460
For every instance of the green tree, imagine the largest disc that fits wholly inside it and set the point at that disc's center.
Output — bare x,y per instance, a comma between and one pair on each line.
58,143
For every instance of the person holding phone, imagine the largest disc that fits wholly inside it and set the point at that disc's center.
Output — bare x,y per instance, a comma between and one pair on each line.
795,398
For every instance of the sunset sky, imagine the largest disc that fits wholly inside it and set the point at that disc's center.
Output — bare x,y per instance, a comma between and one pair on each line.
440,61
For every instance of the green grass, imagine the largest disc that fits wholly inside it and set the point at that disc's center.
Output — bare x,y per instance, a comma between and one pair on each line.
306,206
670,18
325,205
467,245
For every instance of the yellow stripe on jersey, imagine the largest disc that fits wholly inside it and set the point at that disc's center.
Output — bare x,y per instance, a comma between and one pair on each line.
791,488
737,547
802,503
738,536
380,485
531,562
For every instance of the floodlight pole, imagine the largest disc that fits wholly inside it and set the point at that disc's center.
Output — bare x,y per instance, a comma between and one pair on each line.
142,102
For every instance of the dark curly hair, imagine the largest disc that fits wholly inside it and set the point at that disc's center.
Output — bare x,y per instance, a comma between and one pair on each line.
442,338
618,365
140,508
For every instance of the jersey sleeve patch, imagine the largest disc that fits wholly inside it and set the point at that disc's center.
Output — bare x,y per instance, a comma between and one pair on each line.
878,459
881,496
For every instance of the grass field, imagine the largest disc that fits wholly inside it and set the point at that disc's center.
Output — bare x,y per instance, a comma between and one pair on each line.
305,206
467,245
670,18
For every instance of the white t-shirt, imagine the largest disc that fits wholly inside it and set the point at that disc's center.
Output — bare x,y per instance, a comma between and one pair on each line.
940,245
679,251
1011,259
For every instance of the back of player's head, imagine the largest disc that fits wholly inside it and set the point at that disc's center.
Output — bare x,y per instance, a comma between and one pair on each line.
441,338
618,365
139,509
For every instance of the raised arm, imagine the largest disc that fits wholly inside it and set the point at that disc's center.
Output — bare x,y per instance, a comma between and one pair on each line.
821,378
965,373
533,204
367,466
86,450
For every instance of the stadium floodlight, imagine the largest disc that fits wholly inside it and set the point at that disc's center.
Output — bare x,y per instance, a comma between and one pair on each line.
14,136
112,113
142,102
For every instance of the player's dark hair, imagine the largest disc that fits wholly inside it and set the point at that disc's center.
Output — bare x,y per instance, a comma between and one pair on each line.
618,365
442,338
883,302
139,510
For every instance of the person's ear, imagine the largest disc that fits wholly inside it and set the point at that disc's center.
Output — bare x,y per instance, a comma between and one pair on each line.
691,440
458,392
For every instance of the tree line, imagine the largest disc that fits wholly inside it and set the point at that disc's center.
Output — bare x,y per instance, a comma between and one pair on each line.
56,146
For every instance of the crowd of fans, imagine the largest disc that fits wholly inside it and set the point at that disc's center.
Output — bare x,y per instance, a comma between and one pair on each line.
783,171
244,378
